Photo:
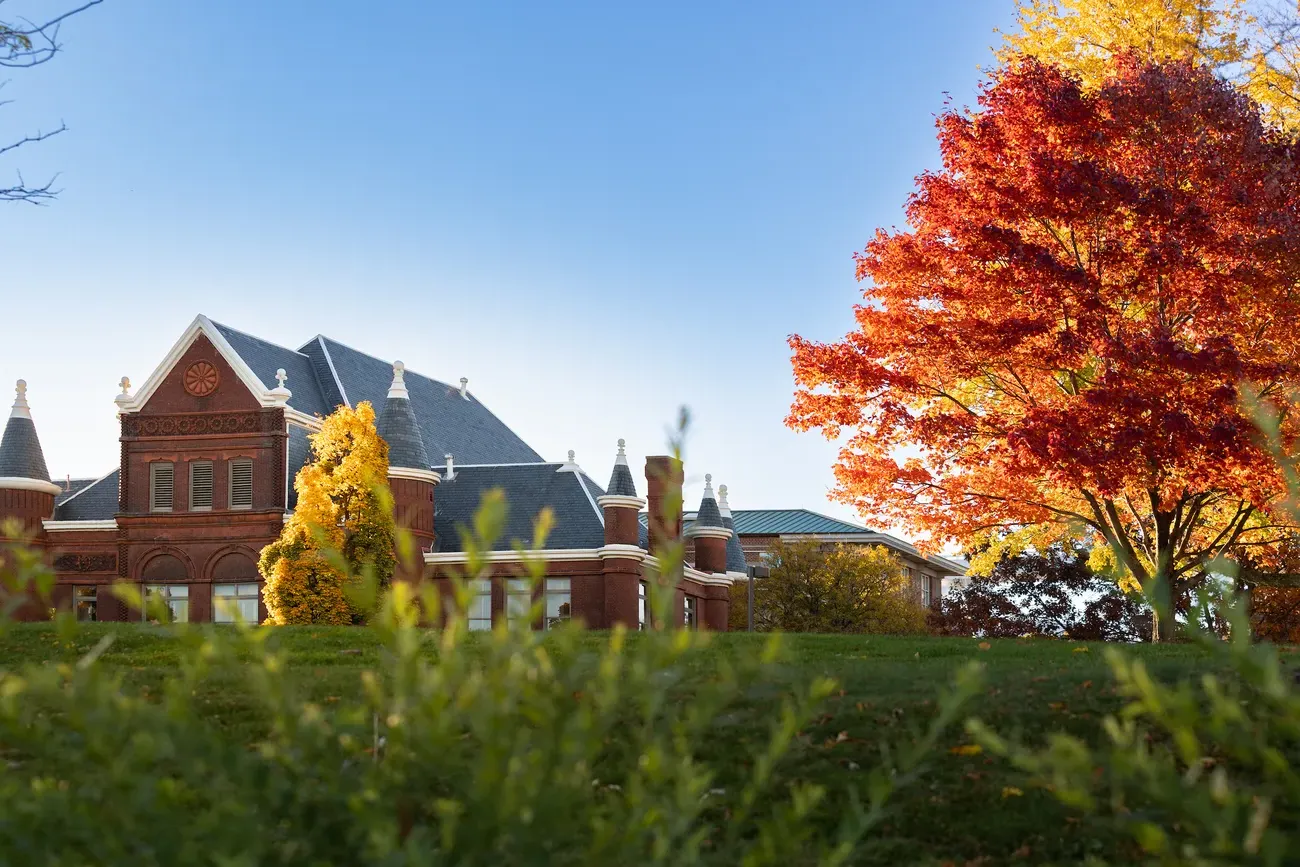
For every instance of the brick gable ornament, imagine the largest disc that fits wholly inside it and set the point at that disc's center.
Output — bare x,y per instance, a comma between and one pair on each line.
202,378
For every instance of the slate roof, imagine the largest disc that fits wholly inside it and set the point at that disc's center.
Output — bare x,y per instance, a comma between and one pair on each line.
708,514
735,553
772,522
94,502
449,423
20,451
74,487
398,427
298,452
529,488
265,358
621,482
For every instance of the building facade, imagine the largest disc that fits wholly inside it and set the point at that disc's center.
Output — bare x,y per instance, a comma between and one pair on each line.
212,441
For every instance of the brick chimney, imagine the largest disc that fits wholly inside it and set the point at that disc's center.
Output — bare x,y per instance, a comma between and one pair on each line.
664,476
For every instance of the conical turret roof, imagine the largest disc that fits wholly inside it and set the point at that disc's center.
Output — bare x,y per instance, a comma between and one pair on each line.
709,514
20,449
399,428
621,483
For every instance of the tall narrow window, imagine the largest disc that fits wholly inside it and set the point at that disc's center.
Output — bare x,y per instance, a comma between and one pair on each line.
175,599
234,600
558,601
642,615
160,487
241,484
200,486
519,599
926,593
690,616
480,606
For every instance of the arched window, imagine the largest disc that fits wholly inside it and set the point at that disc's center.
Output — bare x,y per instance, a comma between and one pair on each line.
164,579
235,591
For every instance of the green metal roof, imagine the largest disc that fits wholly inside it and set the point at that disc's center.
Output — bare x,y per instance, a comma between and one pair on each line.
774,522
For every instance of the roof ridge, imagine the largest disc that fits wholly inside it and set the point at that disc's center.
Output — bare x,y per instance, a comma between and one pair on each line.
408,370
862,527
460,467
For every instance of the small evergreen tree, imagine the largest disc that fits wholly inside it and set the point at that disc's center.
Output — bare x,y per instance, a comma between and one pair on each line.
344,509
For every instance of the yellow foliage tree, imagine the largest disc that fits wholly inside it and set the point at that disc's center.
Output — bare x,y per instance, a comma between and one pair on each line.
341,529
1256,46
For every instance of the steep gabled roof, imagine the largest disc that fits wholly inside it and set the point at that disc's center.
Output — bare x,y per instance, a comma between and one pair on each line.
449,423
265,358
529,488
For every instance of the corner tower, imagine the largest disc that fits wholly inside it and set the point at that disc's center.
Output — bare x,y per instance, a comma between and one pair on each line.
26,492
410,475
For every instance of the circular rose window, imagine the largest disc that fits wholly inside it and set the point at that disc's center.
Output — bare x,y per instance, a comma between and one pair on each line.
201,379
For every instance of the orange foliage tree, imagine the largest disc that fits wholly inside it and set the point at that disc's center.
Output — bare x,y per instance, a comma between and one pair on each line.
1056,346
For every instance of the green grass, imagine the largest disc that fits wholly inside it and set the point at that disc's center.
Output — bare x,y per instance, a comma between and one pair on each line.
965,808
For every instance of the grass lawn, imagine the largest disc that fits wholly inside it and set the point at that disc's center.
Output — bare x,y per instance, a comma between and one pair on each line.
967,808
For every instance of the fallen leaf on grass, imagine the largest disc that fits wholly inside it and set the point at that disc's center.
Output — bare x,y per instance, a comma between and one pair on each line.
1080,650
984,645
1011,792
967,750
1056,705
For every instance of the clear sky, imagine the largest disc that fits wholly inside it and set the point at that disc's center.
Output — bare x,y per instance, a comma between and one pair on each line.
595,211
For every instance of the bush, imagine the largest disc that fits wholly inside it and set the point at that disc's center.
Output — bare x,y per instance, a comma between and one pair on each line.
840,588
519,748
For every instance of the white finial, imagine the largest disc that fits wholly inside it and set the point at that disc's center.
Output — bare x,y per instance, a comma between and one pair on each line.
280,394
723,506
398,388
464,385
125,397
67,483
708,486
21,409
622,455
451,468
572,455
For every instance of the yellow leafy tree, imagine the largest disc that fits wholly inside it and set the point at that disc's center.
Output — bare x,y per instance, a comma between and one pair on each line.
1255,45
341,528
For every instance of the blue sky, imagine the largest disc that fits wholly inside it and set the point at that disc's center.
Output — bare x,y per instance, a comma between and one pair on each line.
595,211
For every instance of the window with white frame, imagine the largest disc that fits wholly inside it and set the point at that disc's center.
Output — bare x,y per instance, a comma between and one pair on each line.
519,599
231,602
161,483
85,602
642,613
925,590
175,599
200,486
558,601
480,605
241,483
690,613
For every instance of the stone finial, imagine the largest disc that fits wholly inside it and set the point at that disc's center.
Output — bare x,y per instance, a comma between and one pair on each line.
398,388
281,394
708,486
21,409
125,397
126,386
621,458
464,387
722,497
451,468
572,455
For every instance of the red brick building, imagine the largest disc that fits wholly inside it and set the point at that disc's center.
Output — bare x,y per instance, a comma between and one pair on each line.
212,441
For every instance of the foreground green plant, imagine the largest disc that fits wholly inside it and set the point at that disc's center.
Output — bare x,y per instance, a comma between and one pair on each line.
1198,772
519,748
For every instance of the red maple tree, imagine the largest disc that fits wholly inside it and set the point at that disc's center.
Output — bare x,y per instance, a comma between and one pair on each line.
1059,343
